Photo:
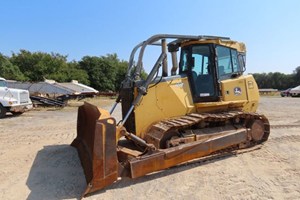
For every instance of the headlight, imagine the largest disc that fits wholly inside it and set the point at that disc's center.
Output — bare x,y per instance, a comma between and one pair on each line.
12,102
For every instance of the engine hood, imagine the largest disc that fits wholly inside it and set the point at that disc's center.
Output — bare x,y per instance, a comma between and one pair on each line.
12,90
17,90
12,96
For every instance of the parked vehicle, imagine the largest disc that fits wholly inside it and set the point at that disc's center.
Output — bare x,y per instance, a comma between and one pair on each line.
12,100
286,93
295,92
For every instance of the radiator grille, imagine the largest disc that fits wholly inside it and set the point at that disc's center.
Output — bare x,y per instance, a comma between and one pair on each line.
24,97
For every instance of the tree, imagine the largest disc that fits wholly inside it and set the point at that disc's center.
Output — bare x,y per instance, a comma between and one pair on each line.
278,80
75,73
68,72
38,65
297,75
121,73
101,71
10,71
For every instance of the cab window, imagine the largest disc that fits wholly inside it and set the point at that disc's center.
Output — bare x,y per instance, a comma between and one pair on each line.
197,61
3,83
200,55
184,60
228,62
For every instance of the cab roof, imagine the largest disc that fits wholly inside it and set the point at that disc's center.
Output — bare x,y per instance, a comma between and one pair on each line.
239,46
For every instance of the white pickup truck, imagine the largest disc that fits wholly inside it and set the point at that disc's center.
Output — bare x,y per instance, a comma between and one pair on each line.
12,100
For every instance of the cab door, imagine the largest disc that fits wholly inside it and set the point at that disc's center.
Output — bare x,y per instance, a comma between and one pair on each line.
233,86
198,62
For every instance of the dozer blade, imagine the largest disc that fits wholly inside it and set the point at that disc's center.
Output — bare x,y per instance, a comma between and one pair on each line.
96,146
165,158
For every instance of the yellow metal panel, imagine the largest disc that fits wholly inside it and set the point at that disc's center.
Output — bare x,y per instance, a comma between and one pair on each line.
243,89
239,93
253,94
234,89
239,46
220,106
173,98
164,100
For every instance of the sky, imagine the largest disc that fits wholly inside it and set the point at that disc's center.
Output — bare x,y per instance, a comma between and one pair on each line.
269,28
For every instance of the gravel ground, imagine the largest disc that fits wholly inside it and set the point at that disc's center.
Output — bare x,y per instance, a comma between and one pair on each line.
38,163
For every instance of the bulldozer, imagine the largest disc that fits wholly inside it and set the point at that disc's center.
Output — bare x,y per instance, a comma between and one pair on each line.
203,104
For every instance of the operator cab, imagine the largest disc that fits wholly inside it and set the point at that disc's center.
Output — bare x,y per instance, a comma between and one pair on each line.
206,64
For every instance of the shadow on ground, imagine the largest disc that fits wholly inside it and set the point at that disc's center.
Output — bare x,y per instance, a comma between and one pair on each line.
127,182
56,173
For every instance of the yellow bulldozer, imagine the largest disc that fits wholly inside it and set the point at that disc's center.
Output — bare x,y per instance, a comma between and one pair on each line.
203,106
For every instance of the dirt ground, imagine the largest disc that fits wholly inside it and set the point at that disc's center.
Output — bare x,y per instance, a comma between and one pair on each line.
36,162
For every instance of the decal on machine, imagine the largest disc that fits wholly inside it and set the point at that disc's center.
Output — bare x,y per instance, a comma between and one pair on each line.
204,94
250,85
178,84
237,91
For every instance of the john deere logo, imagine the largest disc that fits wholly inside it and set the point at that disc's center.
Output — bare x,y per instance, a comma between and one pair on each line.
237,91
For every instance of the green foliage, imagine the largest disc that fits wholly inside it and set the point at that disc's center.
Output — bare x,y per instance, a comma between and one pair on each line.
121,73
10,71
104,73
143,74
277,80
74,72
297,75
101,71
38,66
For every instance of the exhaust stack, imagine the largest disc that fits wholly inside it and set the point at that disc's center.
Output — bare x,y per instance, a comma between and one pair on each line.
165,61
